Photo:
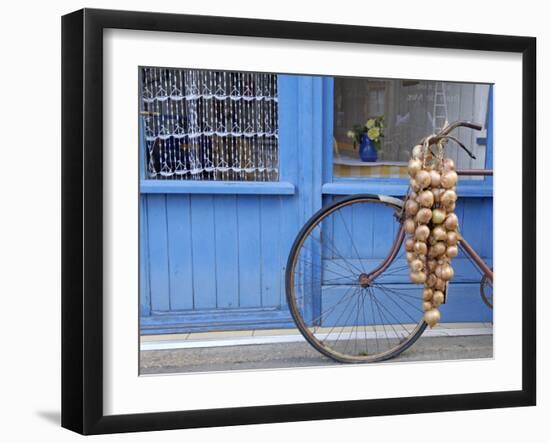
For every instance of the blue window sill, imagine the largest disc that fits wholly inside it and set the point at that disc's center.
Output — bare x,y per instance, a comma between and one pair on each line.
397,188
215,187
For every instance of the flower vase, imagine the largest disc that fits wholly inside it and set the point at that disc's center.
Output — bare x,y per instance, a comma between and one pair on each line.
367,150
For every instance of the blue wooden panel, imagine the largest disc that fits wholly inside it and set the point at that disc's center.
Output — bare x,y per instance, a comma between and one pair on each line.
287,89
363,229
289,227
248,208
159,269
464,304
227,251
486,249
305,148
144,278
342,237
475,228
204,251
328,129
216,320
384,231
180,251
271,257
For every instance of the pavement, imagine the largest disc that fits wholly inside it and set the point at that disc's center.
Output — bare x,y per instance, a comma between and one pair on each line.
186,353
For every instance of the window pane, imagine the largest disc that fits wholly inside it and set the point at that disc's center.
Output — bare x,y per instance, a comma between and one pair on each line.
209,125
412,109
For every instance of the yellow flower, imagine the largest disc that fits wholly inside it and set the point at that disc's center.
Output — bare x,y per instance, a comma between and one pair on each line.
370,123
373,134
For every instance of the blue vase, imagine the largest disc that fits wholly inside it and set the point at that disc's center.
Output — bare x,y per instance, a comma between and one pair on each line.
367,150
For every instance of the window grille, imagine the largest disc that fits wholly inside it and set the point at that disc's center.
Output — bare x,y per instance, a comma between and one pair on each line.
209,125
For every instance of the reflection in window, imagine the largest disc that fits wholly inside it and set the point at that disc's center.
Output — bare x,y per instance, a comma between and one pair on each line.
411,110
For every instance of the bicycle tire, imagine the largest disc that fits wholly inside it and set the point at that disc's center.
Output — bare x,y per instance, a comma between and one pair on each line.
298,314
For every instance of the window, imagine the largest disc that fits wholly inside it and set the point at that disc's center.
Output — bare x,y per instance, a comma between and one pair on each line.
412,109
209,125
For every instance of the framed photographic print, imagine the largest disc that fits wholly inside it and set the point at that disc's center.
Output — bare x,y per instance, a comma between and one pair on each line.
269,221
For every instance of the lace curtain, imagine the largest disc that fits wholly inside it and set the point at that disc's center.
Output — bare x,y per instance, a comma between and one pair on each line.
209,125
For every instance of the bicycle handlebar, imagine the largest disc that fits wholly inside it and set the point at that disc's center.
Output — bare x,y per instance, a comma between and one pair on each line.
443,135
448,129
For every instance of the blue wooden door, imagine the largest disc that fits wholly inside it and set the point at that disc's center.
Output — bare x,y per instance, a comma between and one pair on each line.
213,254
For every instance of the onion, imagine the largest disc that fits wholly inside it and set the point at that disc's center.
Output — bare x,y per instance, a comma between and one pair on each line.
414,166
448,164
413,195
450,207
431,281
417,265
448,197
438,215
435,179
437,250
432,317
431,264
439,233
447,272
410,256
427,294
411,207
423,179
426,199
448,179
452,251
438,270
424,215
437,192
440,284
417,152
452,238
409,245
409,226
420,248
418,277
451,222
426,306
422,233
414,185
437,298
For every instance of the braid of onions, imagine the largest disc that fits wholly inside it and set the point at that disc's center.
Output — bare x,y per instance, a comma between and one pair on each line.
431,226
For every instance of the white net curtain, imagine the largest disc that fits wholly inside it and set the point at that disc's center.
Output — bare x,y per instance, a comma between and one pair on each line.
209,125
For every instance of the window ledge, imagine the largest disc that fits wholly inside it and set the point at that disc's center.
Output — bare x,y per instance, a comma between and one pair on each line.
397,188
215,187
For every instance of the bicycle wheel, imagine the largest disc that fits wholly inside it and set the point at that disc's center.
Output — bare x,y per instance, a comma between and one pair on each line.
347,282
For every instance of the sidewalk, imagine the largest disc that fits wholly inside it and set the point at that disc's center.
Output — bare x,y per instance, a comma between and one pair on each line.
241,350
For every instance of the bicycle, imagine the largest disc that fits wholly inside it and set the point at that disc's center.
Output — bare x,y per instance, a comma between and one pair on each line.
332,278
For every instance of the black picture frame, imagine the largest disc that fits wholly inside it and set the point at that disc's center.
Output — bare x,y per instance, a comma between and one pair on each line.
82,215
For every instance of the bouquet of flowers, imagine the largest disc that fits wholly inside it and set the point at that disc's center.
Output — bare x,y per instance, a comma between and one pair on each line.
374,128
